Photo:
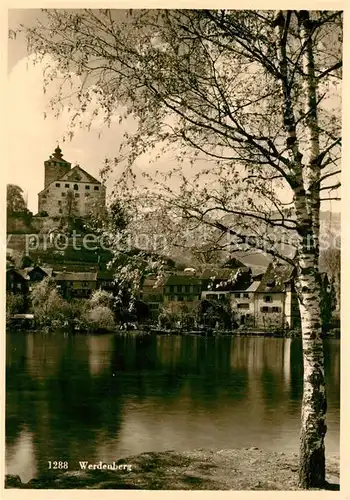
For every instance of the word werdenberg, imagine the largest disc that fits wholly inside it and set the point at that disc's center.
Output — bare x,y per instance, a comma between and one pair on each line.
102,466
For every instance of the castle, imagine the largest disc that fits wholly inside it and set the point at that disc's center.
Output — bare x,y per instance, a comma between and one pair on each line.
69,192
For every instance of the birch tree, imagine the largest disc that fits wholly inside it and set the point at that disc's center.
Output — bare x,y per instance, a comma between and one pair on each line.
249,92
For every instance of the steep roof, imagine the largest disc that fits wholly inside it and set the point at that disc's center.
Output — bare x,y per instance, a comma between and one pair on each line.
106,275
76,172
47,270
223,273
185,279
76,277
275,278
20,272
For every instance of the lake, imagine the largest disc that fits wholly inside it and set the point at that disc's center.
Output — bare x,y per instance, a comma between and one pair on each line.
84,397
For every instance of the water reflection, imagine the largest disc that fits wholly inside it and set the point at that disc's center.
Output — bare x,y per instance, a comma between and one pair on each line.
103,397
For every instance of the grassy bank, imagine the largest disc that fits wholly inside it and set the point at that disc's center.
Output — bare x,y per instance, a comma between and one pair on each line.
237,469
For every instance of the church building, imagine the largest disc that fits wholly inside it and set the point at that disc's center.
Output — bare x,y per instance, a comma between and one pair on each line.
70,192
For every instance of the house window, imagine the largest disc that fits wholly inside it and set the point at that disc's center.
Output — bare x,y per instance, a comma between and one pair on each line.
63,194
87,195
77,195
66,185
187,288
243,306
172,297
96,188
76,187
238,295
87,187
267,298
264,309
276,310
246,295
58,184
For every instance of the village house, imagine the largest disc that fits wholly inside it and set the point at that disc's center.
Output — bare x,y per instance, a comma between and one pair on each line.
183,288
153,295
76,285
243,304
69,192
38,273
106,281
275,299
17,281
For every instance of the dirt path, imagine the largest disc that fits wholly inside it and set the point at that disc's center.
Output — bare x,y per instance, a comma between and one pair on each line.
238,469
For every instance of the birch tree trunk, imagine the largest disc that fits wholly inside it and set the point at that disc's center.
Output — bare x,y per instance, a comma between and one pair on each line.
314,402
306,174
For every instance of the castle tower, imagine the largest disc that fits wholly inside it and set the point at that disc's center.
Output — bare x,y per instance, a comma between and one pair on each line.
55,166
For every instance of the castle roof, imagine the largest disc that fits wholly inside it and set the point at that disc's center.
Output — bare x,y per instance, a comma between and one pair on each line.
58,156
76,175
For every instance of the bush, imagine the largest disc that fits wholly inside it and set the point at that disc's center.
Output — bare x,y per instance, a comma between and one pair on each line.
101,298
50,309
100,318
14,305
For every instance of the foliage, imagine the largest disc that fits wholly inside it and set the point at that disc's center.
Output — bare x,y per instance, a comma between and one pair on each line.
14,304
177,315
100,318
327,304
215,313
330,262
101,298
48,306
15,200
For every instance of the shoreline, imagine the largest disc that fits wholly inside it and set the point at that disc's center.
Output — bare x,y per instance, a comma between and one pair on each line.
200,469
154,332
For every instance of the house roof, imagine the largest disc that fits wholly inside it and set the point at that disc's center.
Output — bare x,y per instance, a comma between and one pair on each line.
253,287
76,277
20,272
153,284
275,278
106,275
176,279
47,270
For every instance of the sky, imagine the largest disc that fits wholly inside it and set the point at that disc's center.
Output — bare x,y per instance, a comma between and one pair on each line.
32,138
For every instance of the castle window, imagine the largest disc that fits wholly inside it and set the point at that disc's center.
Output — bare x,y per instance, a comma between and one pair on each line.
63,194
87,187
66,185
60,211
76,187
58,184
96,188
77,195
44,196
60,202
